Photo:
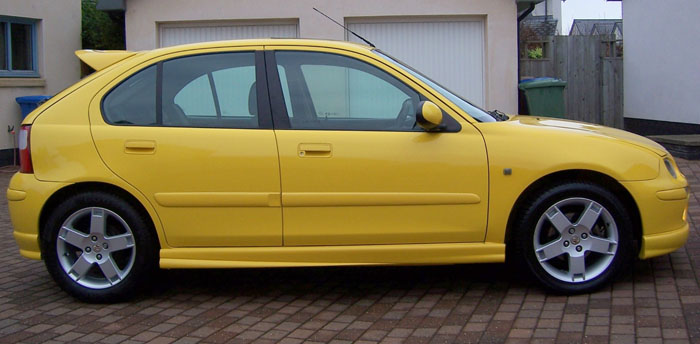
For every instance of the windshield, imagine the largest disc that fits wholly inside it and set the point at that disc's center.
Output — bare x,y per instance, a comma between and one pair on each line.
471,109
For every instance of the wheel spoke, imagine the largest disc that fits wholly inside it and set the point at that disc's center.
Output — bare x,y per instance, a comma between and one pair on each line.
73,237
602,245
97,221
590,215
110,270
577,267
120,242
549,251
80,268
558,219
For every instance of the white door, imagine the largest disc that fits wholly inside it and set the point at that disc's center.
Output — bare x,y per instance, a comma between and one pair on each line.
450,52
182,33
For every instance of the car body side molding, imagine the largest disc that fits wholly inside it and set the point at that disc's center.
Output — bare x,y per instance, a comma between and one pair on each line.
297,256
339,199
218,199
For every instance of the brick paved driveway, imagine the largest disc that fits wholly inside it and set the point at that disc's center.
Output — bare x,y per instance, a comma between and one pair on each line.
656,301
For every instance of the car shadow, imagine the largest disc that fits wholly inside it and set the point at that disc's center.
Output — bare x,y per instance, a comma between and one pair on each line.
352,281
360,281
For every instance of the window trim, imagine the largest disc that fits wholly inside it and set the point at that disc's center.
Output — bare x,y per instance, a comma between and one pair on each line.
280,116
7,21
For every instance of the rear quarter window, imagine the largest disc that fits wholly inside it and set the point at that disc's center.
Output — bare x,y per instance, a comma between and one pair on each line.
133,102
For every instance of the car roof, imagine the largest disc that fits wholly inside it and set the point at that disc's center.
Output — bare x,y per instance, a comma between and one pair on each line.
100,59
266,41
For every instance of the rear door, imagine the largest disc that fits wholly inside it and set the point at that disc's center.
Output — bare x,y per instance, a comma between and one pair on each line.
190,134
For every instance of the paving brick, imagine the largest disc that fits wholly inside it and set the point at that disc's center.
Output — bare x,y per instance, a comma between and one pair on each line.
161,340
674,334
520,333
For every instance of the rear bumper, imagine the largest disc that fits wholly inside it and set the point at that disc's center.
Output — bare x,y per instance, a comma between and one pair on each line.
663,243
26,197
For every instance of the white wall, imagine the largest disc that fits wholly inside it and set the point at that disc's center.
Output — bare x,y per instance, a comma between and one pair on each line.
662,72
58,36
144,16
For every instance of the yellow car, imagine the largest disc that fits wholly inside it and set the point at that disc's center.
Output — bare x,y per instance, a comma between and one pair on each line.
285,153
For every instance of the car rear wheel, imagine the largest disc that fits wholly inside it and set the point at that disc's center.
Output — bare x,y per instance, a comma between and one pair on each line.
98,248
575,237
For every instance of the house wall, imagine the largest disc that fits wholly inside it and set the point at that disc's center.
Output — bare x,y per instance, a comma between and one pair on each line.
143,18
58,36
662,75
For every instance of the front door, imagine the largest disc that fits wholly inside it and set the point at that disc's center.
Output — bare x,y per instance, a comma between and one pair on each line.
357,170
189,134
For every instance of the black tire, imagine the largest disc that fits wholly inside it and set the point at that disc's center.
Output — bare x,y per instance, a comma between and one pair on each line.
560,254
129,260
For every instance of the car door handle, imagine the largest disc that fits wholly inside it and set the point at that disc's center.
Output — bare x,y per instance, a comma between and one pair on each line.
315,150
140,147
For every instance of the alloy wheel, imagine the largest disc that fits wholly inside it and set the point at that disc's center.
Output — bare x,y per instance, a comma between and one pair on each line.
95,248
575,240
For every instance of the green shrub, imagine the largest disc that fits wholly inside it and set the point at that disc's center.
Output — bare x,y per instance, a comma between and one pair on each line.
101,31
535,54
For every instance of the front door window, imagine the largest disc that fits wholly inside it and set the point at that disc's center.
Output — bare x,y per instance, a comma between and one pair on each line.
333,92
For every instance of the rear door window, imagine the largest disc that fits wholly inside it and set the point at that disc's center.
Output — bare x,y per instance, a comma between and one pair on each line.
209,90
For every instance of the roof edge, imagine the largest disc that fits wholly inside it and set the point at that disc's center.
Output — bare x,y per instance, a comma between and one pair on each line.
111,5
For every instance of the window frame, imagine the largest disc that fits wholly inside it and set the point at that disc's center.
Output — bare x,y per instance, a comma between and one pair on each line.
264,113
7,22
281,118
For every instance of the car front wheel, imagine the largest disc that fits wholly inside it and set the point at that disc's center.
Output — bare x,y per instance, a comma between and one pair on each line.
98,248
575,237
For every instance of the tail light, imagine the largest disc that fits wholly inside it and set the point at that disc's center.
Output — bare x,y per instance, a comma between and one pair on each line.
25,153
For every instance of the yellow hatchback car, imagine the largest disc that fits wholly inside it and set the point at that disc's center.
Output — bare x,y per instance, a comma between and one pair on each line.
283,153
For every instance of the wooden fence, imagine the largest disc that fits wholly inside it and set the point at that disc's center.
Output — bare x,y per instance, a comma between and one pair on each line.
592,68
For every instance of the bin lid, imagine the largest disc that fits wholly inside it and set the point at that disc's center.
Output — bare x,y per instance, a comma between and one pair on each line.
545,82
536,79
32,99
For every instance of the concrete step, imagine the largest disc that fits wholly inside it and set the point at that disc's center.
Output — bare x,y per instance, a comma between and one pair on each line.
682,146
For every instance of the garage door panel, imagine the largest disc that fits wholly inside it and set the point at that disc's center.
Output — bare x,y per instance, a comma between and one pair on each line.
450,52
182,34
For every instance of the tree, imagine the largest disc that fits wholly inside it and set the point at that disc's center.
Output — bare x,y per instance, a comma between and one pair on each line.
101,30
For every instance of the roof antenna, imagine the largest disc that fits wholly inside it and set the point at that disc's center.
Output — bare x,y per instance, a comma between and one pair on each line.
348,30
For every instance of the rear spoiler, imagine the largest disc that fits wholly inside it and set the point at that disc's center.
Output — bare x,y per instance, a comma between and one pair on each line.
101,59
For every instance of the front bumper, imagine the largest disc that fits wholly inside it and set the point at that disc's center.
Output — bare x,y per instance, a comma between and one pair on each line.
663,206
663,243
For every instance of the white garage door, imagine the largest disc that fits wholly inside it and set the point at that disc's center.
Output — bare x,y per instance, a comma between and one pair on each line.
449,52
174,34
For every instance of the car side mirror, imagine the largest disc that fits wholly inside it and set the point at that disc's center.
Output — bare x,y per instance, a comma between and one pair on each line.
429,115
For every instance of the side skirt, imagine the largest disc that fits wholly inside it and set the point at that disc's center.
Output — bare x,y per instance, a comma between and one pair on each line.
297,256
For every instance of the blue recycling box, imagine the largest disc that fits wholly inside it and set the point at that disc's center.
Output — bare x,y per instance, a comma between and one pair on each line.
29,103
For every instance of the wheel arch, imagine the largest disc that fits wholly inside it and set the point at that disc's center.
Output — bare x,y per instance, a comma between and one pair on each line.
78,188
560,177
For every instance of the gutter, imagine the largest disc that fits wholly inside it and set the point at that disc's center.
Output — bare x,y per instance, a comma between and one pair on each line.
111,5
525,14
